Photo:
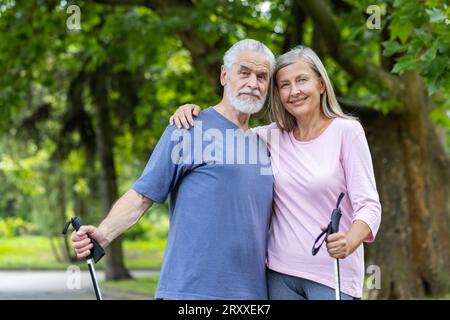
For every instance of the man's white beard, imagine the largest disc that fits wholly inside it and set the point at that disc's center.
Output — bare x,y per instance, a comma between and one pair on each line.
246,105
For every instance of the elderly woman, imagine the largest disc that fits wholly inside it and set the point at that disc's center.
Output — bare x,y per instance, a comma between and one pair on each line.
317,152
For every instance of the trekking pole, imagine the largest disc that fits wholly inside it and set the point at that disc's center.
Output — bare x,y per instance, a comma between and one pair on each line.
333,227
97,252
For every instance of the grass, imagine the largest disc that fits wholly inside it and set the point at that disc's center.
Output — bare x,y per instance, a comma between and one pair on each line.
444,297
34,253
142,285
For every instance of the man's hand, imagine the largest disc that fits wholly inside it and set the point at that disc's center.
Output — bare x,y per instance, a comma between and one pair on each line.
82,243
183,116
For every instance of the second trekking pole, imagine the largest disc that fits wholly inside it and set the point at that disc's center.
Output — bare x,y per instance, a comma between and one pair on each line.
333,227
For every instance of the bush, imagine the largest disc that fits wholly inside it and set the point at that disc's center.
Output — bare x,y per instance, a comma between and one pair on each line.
12,227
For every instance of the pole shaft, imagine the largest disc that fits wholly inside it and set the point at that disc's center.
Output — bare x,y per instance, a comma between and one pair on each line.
91,267
337,286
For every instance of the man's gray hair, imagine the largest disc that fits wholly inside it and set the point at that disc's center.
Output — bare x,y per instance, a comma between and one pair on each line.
248,44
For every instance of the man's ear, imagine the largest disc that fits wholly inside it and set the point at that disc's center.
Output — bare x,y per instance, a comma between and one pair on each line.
223,75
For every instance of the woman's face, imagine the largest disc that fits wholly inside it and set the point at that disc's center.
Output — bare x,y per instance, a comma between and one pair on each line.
299,88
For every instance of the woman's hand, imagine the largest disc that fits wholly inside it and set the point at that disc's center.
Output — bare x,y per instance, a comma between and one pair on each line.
338,245
183,116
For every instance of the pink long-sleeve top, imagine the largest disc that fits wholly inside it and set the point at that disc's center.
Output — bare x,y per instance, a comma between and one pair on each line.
308,178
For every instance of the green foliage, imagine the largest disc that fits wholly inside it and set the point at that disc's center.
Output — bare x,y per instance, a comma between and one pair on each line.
423,30
50,176
13,227
35,252
49,165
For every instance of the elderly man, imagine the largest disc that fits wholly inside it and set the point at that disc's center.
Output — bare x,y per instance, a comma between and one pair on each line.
219,207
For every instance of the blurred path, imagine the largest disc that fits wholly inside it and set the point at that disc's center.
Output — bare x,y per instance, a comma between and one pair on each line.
52,285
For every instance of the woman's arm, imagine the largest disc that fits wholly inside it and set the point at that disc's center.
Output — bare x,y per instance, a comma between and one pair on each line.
361,188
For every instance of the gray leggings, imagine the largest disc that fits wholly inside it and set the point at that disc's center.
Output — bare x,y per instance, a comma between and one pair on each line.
285,287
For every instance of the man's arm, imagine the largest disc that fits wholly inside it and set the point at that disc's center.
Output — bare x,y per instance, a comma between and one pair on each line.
125,213
160,176
122,216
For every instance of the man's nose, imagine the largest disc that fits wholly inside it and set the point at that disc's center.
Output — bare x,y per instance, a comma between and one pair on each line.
252,82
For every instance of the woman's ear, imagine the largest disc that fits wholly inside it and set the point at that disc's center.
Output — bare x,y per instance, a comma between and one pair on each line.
322,85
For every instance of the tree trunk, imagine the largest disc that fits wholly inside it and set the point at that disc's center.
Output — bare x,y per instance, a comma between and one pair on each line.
115,267
412,172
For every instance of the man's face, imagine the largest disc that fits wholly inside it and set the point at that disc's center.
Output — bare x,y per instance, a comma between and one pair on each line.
247,81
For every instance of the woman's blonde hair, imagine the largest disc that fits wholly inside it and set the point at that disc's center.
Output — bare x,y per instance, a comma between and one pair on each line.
328,101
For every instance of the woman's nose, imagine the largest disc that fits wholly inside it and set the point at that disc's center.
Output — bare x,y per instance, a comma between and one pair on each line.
295,91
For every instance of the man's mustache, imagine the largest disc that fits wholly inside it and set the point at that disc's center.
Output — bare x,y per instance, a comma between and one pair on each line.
249,91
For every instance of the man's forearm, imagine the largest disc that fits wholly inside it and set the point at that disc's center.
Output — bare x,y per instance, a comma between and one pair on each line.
123,215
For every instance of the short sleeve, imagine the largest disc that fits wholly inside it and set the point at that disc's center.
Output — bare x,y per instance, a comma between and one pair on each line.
168,163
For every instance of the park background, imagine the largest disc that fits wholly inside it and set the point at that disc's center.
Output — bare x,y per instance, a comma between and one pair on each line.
87,87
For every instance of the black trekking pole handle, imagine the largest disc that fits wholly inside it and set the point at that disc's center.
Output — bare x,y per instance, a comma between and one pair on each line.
333,227
97,252
336,216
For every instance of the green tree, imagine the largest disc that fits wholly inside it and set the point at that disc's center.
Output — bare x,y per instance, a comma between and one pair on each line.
95,100
87,99
400,71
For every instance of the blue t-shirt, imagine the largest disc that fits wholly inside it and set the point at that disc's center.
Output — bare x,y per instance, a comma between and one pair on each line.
220,185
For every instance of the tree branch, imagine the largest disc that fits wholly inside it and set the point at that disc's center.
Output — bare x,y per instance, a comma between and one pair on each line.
325,22
295,27
152,4
245,24
200,50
